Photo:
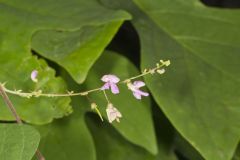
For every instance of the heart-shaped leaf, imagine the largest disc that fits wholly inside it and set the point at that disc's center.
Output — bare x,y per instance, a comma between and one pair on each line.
199,93
18,142
76,51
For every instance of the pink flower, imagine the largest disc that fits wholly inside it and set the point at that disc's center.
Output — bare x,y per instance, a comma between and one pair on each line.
113,113
34,76
134,87
111,81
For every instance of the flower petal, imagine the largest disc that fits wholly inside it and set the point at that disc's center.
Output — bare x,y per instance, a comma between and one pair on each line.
137,95
118,120
105,86
114,88
138,84
143,93
119,114
34,76
113,113
110,115
110,78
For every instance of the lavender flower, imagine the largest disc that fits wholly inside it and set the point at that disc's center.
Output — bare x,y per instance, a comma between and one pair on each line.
111,81
113,113
134,87
34,75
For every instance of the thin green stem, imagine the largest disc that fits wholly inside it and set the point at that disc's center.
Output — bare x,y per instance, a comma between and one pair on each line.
84,93
40,94
150,71
105,95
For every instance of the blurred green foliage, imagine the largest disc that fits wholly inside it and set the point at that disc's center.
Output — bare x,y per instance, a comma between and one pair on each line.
197,114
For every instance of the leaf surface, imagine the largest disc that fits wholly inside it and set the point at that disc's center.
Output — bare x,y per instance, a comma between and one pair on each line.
136,124
110,145
18,142
25,21
70,137
199,91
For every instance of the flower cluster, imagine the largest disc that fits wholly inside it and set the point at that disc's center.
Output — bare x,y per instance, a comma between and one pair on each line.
110,83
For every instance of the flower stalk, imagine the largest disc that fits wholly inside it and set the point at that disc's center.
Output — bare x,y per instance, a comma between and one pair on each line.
159,69
110,83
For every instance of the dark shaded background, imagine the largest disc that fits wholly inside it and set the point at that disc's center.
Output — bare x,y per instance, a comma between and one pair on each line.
223,3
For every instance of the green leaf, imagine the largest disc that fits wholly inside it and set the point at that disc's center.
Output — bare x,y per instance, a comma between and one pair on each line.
110,145
38,110
165,135
199,92
136,124
76,51
68,138
20,20
18,142
183,147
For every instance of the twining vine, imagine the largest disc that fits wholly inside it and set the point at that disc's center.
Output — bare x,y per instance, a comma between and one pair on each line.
110,82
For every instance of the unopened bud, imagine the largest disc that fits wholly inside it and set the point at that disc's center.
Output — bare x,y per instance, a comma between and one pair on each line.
93,106
161,71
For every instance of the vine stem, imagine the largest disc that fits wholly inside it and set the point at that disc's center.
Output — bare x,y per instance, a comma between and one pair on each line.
84,93
17,117
150,71
4,91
